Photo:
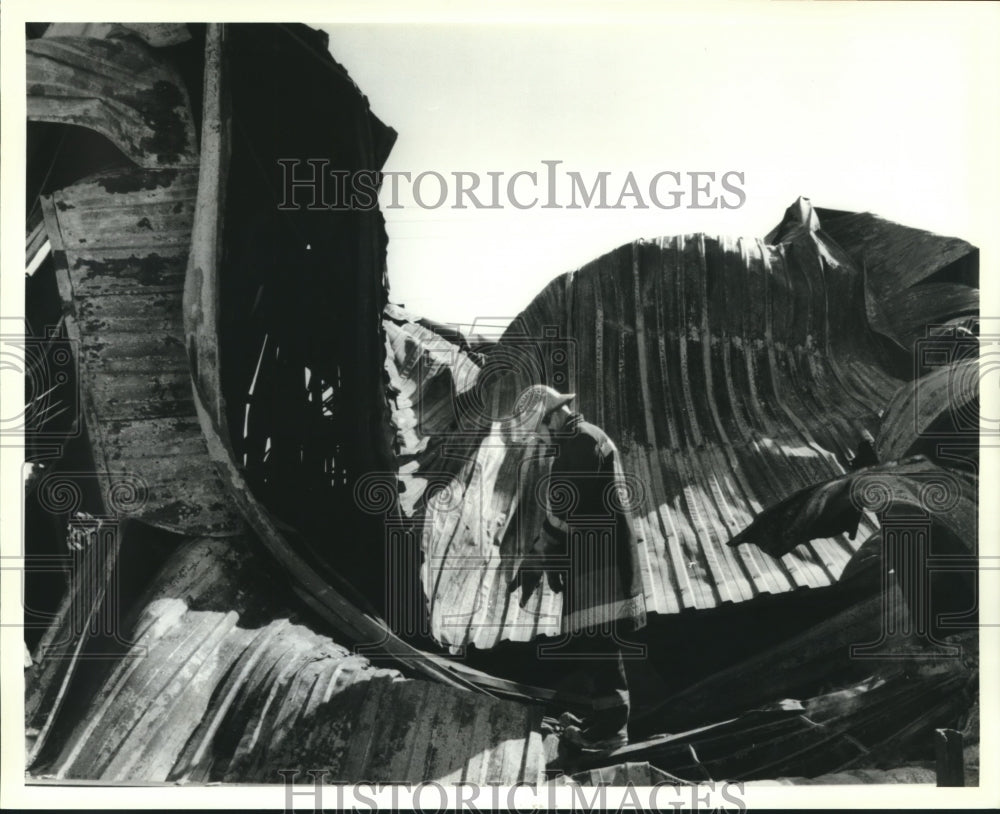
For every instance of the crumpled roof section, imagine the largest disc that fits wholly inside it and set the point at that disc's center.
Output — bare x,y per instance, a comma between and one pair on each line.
220,686
730,372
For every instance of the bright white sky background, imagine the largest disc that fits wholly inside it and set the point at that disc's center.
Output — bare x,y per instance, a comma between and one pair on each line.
875,107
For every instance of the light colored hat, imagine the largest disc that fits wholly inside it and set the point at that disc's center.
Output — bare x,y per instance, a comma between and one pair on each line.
538,401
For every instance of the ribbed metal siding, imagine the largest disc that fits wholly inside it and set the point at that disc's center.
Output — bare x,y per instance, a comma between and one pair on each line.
125,236
219,686
730,373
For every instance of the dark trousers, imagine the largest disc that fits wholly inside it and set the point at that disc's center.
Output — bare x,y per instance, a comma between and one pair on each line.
594,665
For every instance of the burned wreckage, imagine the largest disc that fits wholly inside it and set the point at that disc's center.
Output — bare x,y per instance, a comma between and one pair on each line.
287,518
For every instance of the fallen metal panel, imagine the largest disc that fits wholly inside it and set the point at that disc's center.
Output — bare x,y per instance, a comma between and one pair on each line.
124,238
775,671
220,686
118,87
51,670
326,595
730,373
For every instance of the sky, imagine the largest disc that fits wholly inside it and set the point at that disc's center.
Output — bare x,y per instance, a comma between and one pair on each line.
853,109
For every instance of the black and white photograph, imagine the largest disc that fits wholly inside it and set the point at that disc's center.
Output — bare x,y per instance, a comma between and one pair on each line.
564,408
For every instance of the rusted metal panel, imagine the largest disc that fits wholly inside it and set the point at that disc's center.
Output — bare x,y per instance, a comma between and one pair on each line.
118,87
124,237
230,689
155,34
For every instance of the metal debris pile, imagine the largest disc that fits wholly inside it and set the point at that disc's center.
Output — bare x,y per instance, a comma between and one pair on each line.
259,438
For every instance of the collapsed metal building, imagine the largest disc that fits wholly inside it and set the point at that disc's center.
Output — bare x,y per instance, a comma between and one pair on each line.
301,518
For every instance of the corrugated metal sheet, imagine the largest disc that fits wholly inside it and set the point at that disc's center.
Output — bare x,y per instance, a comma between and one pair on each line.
221,685
117,87
428,374
730,373
124,236
463,487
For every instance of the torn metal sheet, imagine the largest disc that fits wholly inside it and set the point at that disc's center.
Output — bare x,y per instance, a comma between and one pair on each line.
118,87
913,278
50,672
911,312
123,236
947,498
229,688
730,374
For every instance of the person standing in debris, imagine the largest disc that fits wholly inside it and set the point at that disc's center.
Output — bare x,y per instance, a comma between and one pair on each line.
587,548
